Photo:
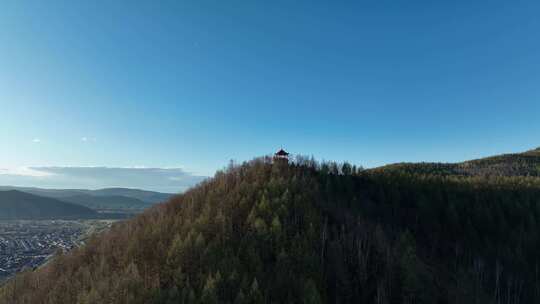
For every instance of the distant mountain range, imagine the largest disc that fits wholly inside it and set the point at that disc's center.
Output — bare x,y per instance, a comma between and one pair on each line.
102,199
143,195
17,205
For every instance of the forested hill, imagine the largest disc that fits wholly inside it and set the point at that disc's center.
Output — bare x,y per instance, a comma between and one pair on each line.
16,205
517,164
113,202
311,233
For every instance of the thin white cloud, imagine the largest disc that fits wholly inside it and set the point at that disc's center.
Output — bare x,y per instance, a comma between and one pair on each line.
171,180
23,171
84,138
36,140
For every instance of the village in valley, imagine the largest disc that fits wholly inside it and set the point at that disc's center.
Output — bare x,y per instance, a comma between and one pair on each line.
26,245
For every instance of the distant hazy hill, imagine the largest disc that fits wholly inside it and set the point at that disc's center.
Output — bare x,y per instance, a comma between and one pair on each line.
143,195
107,202
16,205
516,164
110,198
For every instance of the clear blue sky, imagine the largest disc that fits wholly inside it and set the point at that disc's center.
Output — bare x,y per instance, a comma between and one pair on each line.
193,84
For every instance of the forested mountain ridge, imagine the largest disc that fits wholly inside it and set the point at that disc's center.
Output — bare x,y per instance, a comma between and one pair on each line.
311,233
516,164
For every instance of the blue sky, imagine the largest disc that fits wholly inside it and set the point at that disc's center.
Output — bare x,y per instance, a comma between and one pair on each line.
189,85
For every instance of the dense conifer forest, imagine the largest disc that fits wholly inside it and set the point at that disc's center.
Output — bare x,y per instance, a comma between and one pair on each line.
515,164
308,232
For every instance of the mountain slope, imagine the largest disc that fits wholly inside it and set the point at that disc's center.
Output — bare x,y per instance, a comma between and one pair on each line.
299,233
16,205
516,164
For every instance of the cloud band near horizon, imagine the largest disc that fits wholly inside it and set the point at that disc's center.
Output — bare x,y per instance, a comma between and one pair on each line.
170,180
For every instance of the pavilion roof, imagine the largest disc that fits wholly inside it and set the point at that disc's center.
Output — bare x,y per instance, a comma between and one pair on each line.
281,152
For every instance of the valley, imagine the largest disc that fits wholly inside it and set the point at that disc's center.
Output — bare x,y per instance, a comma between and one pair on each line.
35,223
